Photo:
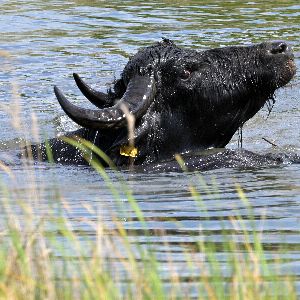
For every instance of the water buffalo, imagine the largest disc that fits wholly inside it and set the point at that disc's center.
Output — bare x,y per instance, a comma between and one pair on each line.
182,101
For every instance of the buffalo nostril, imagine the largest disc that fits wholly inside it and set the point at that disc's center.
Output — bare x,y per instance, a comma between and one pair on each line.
280,47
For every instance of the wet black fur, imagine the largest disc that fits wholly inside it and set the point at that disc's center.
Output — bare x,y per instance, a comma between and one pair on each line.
202,99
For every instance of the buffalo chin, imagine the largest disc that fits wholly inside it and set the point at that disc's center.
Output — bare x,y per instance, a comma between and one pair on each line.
288,72
291,66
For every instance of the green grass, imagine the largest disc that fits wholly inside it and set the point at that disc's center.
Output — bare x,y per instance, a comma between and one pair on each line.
38,263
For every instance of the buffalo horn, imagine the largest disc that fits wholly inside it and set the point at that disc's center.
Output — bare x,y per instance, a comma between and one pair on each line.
139,95
99,99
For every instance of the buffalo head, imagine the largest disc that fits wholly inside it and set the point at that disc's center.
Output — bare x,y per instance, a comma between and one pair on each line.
182,100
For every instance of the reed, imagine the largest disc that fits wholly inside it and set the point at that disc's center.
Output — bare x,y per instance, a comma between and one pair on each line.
43,256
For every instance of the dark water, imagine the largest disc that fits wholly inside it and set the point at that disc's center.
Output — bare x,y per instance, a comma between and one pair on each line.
49,40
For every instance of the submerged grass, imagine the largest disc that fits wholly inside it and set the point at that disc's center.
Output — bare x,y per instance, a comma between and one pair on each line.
43,256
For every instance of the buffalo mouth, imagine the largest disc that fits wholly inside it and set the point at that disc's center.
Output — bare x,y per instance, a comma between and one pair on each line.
291,66
288,72
281,57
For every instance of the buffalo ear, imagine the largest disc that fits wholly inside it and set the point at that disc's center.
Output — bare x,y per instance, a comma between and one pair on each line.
139,94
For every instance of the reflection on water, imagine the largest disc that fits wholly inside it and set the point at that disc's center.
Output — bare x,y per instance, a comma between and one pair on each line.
49,40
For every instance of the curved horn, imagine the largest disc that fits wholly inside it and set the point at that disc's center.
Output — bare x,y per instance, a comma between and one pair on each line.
99,99
138,97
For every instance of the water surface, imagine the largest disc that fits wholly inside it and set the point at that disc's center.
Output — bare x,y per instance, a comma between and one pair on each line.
49,40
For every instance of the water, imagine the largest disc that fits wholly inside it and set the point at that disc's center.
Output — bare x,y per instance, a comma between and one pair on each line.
49,40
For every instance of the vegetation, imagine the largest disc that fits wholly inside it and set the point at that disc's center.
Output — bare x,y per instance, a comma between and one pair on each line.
42,255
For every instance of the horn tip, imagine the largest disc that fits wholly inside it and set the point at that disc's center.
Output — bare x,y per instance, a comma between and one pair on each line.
56,89
58,93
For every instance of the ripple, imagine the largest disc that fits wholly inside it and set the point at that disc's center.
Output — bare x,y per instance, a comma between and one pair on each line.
49,40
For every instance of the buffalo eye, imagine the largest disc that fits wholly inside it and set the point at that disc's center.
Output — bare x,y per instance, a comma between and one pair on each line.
185,75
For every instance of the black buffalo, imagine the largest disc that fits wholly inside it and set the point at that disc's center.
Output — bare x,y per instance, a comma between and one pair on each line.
182,100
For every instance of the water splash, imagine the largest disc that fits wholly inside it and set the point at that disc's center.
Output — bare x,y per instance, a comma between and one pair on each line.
270,104
240,137
92,150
